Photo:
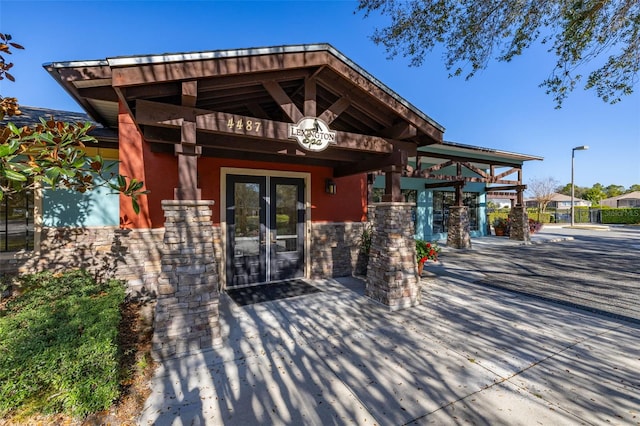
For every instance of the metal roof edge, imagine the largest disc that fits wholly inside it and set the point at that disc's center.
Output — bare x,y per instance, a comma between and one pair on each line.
75,64
479,149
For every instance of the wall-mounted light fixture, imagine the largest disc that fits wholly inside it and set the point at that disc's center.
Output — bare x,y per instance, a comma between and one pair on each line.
330,187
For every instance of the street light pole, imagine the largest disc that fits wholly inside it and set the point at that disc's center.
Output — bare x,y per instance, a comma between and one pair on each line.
573,152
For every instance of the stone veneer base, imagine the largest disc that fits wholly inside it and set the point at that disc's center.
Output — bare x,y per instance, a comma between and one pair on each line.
392,277
519,224
458,228
187,311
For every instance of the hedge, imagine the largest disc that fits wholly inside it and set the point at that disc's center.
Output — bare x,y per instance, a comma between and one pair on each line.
621,216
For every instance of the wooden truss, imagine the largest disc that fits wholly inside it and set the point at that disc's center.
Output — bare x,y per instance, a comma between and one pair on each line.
478,175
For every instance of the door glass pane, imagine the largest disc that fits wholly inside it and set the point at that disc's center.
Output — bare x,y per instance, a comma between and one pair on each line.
441,202
286,198
247,219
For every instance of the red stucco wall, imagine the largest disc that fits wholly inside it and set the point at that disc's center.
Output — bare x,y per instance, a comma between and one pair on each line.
347,205
159,171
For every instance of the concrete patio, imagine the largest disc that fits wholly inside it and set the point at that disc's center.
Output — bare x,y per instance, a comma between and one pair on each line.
468,354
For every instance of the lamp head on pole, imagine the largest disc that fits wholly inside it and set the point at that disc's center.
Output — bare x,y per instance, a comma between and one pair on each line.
581,148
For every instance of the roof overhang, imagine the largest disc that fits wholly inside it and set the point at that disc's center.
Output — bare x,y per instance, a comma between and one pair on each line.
276,86
480,157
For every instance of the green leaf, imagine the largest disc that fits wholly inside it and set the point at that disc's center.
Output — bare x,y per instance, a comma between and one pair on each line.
13,128
15,176
136,206
52,174
8,149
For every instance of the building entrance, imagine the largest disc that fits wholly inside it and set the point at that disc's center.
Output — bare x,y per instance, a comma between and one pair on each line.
265,229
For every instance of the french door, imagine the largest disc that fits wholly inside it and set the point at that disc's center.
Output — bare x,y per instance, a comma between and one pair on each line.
265,229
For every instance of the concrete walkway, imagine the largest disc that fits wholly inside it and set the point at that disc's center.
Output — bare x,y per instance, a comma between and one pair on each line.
468,355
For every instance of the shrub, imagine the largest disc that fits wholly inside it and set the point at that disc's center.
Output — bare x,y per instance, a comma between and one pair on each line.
621,216
59,345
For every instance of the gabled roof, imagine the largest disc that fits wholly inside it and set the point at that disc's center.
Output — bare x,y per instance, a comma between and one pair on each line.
562,198
250,82
635,195
216,93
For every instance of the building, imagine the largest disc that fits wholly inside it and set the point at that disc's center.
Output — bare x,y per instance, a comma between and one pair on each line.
261,166
559,202
631,199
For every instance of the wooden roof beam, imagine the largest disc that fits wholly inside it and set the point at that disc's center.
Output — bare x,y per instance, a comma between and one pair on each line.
285,102
506,188
334,111
451,184
402,130
165,115
310,97
189,93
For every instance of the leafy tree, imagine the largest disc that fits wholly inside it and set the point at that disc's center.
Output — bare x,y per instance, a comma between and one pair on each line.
578,191
542,190
614,190
50,153
633,188
595,194
578,32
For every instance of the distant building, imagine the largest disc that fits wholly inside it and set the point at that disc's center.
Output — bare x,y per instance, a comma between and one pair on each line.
559,201
631,199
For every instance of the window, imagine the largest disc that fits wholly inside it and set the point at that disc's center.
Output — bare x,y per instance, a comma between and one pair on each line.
441,203
16,222
410,195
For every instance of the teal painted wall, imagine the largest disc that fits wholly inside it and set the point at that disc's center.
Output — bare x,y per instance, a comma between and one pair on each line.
100,207
424,207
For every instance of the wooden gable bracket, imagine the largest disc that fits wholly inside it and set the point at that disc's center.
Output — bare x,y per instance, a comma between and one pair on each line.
483,176
474,169
337,108
310,105
507,173
286,104
427,172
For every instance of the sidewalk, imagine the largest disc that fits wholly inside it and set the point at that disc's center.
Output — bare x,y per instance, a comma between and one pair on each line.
467,354
537,238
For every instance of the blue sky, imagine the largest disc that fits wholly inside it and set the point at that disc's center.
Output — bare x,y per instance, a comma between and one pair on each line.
501,107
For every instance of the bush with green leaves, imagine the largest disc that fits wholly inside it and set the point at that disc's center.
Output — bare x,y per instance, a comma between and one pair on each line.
58,341
627,216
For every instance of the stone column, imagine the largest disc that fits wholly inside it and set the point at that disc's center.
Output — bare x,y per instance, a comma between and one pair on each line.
392,277
458,228
519,224
187,315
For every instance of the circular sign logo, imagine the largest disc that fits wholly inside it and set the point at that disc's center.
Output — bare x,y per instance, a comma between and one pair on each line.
312,134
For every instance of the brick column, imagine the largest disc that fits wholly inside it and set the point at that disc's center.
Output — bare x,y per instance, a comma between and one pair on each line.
458,228
519,224
187,315
392,277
